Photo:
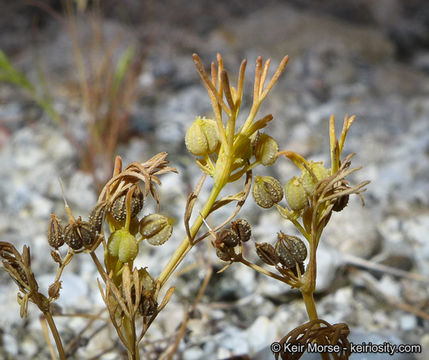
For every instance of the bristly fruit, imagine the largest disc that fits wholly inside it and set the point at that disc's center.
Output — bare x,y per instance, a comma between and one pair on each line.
119,207
156,228
96,216
202,138
226,238
295,194
78,234
266,149
123,245
267,191
242,228
267,253
55,233
291,250
308,181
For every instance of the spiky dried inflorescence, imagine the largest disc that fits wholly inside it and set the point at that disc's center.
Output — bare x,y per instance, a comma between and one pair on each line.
18,267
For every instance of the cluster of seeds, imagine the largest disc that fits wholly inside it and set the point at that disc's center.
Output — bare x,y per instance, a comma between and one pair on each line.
290,251
227,239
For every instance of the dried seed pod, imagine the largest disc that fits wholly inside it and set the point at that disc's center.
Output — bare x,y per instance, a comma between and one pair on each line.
226,238
96,216
266,149
156,228
78,234
148,305
86,232
72,237
119,207
267,191
202,138
123,245
290,250
146,279
267,253
295,194
55,233
54,290
222,255
242,228
341,202
56,257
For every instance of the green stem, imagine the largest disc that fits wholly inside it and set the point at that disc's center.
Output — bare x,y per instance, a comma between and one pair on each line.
56,335
186,245
130,332
310,305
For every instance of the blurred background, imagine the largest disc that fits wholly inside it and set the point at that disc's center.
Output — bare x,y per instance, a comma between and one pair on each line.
82,81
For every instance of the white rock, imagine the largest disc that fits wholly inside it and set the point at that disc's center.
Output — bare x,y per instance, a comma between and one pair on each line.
260,334
328,260
10,345
408,322
193,353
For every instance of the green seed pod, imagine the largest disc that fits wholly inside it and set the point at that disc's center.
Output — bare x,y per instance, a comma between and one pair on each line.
242,228
242,150
295,194
267,253
307,179
55,233
266,149
202,138
156,228
123,245
267,191
119,206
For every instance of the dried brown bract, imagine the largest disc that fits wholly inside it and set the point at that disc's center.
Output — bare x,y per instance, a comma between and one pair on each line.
316,332
19,268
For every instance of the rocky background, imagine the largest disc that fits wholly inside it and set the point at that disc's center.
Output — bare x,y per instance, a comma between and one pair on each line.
360,57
